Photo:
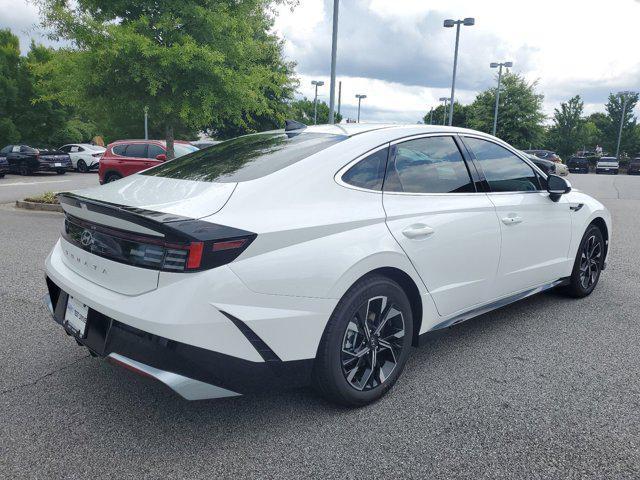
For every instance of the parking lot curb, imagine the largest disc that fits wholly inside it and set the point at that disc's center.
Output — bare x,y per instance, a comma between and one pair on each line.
43,207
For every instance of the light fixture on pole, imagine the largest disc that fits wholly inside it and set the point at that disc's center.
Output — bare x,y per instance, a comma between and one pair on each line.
624,97
317,83
359,97
449,23
334,51
444,115
495,110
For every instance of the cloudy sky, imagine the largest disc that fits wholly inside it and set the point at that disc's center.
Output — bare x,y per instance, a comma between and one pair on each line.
399,55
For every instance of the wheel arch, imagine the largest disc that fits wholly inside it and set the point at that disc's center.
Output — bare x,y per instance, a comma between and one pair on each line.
410,288
602,225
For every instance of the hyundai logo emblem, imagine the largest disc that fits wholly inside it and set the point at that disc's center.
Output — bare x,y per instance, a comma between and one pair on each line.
86,239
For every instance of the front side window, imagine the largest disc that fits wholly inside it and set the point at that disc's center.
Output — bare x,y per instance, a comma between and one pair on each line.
245,158
504,171
427,165
369,172
136,150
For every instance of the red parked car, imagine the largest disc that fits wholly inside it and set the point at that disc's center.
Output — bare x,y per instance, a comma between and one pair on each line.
126,157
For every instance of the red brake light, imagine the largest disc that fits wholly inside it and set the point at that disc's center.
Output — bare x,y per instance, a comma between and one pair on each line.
229,245
195,255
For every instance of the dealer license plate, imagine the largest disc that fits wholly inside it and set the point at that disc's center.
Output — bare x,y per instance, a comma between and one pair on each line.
75,318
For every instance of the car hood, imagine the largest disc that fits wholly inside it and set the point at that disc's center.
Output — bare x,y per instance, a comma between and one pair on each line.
186,198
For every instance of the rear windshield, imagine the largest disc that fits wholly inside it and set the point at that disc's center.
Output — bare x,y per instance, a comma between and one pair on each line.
245,158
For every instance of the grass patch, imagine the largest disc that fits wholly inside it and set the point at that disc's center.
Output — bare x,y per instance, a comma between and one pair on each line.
47,197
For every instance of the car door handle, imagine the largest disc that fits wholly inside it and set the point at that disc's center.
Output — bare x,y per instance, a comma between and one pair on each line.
512,220
417,231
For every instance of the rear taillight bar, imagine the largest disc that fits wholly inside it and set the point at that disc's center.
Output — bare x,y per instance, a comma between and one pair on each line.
152,252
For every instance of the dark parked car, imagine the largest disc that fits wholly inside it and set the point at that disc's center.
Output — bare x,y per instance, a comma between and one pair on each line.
26,160
545,154
4,166
578,165
634,166
547,166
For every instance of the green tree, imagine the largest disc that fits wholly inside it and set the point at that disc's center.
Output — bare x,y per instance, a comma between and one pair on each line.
302,111
520,114
596,124
630,141
9,73
568,133
460,114
193,63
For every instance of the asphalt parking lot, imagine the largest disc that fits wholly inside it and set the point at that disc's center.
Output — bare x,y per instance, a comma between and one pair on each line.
545,388
16,187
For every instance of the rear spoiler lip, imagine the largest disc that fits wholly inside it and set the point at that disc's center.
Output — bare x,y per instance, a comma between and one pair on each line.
174,227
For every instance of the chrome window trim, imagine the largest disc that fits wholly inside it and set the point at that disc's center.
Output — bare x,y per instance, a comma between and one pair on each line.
343,170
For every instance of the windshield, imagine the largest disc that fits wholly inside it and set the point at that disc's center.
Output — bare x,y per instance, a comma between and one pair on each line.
245,158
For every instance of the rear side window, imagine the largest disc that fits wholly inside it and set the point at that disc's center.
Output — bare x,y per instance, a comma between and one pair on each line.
246,158
504,171
369,172
427,165
136,150
6,149
119,149
155,150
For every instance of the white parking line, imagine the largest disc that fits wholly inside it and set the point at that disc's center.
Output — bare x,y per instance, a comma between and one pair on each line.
31,183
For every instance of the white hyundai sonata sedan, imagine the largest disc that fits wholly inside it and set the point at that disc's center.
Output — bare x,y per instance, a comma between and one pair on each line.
314,255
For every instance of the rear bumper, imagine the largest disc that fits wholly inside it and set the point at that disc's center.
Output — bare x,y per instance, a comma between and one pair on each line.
238,341
193,372
50,167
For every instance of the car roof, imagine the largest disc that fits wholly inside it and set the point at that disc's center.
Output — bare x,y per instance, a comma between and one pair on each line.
352,129
608,158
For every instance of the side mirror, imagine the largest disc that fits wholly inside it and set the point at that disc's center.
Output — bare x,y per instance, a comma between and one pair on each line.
162,157
557,186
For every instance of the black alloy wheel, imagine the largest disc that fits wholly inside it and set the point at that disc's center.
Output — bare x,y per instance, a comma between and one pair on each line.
372,343
588,264
366,343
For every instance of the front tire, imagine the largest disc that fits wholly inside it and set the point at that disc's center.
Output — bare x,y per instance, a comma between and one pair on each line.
588,264
61,172
365,344
82,166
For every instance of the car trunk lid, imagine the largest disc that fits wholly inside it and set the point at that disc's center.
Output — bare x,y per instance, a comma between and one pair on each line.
121,235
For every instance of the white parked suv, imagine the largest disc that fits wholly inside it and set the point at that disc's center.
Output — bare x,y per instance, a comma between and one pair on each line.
84,156
608,165
314,255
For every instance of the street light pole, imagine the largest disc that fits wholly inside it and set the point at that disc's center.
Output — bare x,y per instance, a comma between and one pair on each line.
146,129
339,95
495,111
334,51
444,115
317,83
623,97
359,97
448,24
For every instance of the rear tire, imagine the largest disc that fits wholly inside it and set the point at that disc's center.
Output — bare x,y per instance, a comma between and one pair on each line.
112,177
24,169
366,343
588,264
82,166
